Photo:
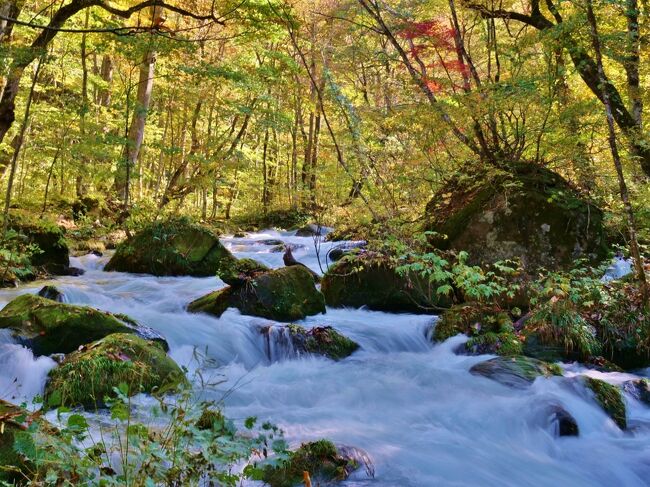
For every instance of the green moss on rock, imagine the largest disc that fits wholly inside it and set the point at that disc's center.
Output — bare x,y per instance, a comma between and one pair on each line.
88,375
322,340
518,372
237,272
173,248
214,303
48,327
286,294
320,459
609,397
527,212
372,280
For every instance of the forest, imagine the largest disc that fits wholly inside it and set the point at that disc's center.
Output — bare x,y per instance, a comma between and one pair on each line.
326,242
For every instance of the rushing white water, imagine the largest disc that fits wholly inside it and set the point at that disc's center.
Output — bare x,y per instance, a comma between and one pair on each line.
412,406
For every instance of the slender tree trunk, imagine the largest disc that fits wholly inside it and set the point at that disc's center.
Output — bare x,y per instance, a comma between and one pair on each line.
625,197
136,130
21,136
106,73
80,187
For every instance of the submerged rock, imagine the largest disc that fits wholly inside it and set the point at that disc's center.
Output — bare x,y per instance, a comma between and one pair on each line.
286,245
320,459
639,389
372,280
528,213
609,398
348,248
490,329
286,294
47,326
563,422
173,248
87,376
51,292
517,372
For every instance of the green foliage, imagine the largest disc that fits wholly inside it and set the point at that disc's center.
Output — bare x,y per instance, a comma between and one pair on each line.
185,442
15,258
449,273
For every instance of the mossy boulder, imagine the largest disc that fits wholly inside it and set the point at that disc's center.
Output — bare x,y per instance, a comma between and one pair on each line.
20,427
47,326
320,459
173,248
517,372
241,270
609,397
54,255
88,375
286,294
525,212
372,280
322,340
490,329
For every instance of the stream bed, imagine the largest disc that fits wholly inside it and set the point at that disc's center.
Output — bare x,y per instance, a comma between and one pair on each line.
412,405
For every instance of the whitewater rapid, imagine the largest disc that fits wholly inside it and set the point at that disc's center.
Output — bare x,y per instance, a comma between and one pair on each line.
412,406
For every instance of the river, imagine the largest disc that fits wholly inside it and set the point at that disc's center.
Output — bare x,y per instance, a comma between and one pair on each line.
413,406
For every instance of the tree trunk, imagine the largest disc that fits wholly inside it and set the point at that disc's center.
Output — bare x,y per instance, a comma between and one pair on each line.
625,198
136,130
21,136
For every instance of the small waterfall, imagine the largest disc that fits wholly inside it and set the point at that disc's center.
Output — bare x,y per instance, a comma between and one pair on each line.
22,376
277,342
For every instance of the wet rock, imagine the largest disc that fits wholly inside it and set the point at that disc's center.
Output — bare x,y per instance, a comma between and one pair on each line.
284,246
372,280
527,212
74,271
48,327
324,462
517,372
173,248
271,241
337,253
639,389
88,375
490,329
563,422
287,294
609,398
51,292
